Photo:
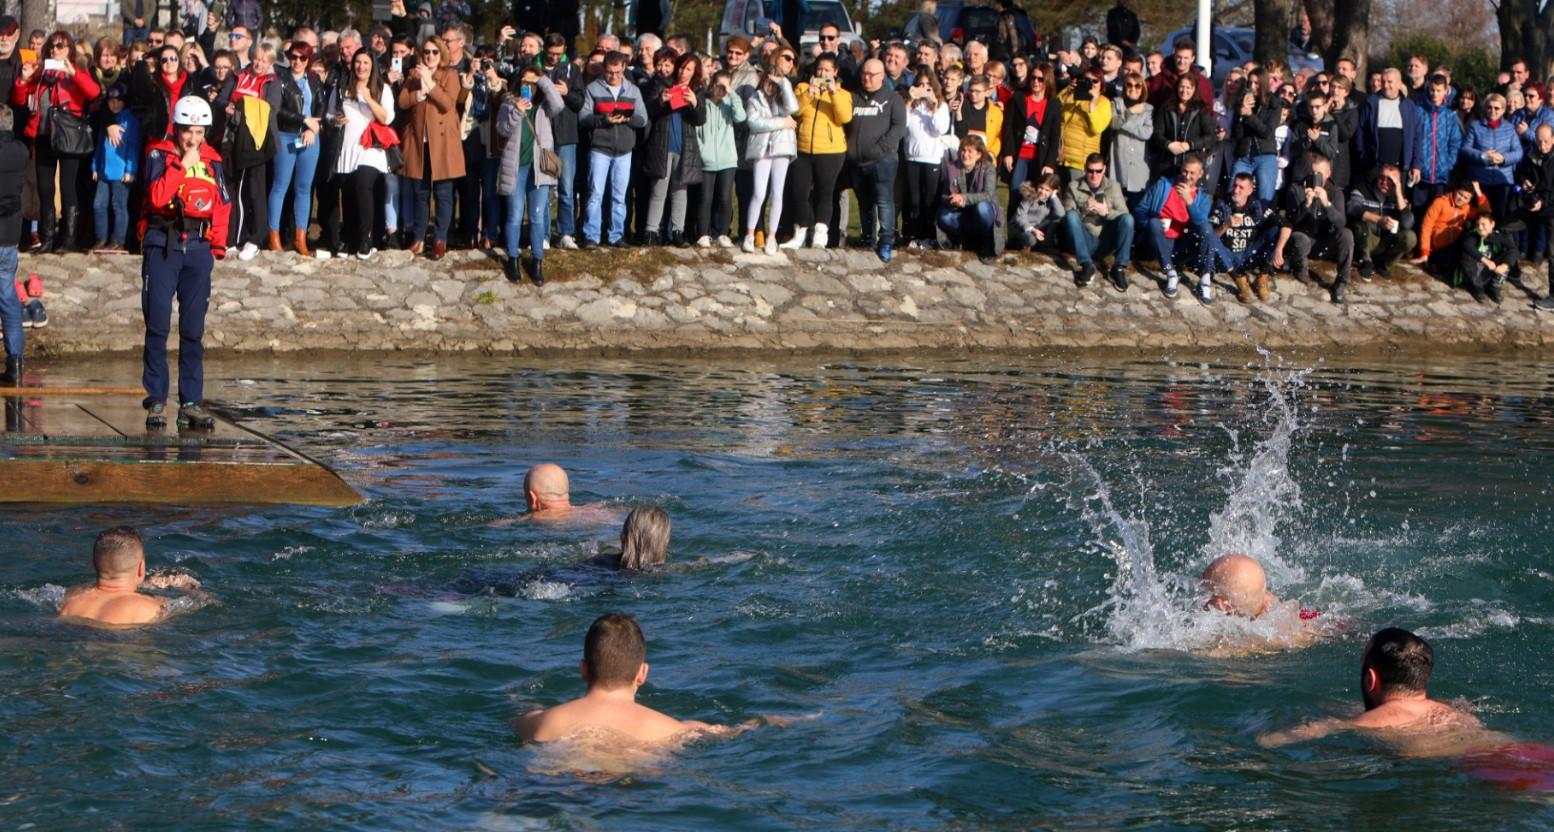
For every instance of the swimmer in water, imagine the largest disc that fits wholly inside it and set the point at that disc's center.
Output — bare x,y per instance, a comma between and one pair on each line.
119,556
614,666
1237,585
644,541
548,493
1394,684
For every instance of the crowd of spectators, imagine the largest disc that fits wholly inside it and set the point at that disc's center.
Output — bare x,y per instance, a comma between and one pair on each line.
417,135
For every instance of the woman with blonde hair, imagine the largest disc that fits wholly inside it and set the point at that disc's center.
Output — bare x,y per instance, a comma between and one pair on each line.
433,148
644,539
769,114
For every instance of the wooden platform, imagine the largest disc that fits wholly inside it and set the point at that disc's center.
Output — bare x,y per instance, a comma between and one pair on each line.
87,445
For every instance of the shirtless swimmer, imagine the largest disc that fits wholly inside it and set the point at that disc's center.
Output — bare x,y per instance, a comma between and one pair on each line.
119,556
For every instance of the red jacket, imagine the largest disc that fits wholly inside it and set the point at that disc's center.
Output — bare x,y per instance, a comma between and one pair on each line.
1162,87
72,93
168,189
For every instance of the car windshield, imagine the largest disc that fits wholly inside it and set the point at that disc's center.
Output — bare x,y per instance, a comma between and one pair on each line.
978,20
820,14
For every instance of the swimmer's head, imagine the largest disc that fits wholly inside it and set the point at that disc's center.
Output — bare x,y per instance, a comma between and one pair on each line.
1396,663
614,653
546,486
119,555
1236,585
645,538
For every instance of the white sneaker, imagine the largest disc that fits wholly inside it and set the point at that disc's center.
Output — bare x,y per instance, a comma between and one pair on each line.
771,244
322,253
748,246
820,237
799,233
545,245
725,242
704,241
248,252
568,243
366,255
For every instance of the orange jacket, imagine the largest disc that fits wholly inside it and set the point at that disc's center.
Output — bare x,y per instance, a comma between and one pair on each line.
1444,222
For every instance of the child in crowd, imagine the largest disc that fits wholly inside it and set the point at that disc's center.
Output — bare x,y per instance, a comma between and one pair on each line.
1040,213
30,293
113,169
1487,255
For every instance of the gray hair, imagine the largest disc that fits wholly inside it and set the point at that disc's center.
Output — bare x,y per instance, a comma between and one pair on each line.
350,34
645,538
7,119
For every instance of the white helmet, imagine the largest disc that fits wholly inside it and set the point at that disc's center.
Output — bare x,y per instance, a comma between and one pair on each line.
191,111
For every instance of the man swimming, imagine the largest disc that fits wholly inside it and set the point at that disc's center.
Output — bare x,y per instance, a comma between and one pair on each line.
1237,585
548,493
119,556
614,667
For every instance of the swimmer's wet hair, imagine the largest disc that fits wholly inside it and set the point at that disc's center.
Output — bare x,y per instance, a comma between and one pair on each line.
1402,660
645,538
117,551
614,651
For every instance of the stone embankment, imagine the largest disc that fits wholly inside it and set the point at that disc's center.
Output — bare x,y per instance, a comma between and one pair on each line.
676,300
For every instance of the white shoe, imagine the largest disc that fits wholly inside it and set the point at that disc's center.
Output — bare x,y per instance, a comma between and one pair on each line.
704,241
545,245
568,243
366,255
248,252
725,242
748,246
771,244
799,233
820,237
322,253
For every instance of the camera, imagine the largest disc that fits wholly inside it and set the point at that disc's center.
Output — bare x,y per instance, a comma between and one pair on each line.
1084,88
1314,180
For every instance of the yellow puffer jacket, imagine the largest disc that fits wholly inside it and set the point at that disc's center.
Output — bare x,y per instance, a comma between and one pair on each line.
1082,127
821,116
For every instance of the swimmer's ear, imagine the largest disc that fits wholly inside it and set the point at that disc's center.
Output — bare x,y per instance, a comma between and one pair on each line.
582,670
642,674
1370,680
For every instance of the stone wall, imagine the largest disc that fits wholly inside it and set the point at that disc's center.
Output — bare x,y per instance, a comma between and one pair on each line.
676,300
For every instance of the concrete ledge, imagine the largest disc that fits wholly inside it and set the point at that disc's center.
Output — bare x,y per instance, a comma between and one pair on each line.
677,300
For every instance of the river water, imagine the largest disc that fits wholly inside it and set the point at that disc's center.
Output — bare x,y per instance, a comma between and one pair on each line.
966,576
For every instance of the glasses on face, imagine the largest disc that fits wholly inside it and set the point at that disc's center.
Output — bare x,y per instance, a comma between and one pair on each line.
169,59
59,46
430,52
1132,86
788,58
223,67
238,36
1095,171
296,58
156,41
828,37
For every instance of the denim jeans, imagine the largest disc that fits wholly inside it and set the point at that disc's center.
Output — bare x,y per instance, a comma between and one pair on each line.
876,186
1235,262
566,192
10,304
391,203
442,189
1265,168
617,171
527,197
971,224
1191,247
1116,238
110,211
294,169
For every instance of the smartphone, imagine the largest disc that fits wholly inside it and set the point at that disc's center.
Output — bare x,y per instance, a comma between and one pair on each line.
527,93
397,64
53,65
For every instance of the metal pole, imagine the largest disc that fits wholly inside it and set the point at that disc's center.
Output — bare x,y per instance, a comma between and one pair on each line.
1205,42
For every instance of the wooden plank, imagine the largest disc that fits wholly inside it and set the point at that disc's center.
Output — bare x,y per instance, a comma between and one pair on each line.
193,483
137,392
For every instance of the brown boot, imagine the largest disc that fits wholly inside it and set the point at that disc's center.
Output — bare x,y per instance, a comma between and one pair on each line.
275,242
1243,289
1264,286
301,243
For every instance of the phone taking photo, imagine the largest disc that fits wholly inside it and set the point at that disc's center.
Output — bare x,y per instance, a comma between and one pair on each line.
397,64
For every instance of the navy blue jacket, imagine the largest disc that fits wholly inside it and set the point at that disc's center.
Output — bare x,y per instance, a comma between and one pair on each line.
1365,142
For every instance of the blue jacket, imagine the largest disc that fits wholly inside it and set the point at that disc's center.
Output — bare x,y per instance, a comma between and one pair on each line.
110,163
1154,201
1533,122
1365,142
1440,140
1483,138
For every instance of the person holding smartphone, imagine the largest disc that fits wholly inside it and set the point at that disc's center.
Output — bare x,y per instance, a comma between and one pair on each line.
824,111
59,82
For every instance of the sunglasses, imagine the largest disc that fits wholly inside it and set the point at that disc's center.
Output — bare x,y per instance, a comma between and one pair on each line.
788,58
829,37
169,59
237,36
295,57
1095,171
430,52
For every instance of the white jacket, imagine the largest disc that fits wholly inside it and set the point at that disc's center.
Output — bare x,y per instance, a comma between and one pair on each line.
924,131
769,139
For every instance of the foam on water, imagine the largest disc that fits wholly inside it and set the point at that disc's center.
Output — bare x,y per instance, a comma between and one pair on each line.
48,597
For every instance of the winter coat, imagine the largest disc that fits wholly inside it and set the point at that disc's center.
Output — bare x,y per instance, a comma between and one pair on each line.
13,168
1543,116
1154,201
430,133
1050,133
1034,213
599,102
1444,222
654,160
822,118
925,129
151,99
1538,169
992,134
1367,197
112,164
980,184
878,124
1254,134
1481,139
71,89
1437,144
769,138
510,121
1130,155
1301,145
717,135
1365,141
1194,126
1082,127
1345,123
1077,193
1315,220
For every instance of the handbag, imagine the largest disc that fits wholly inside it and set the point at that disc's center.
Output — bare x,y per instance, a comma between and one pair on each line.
68,133
548,160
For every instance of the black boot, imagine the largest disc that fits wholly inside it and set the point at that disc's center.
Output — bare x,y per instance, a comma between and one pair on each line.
537,271
510,269
68,227
13,372
46,232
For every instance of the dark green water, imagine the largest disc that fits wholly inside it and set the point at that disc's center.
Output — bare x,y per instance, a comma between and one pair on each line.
968,569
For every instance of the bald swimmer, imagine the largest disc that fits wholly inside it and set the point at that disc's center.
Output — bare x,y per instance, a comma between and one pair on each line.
548,492
1237,585
614,667
119,556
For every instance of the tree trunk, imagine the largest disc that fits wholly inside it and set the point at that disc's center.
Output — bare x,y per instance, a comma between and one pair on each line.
1526,33
36,14
1273,30
1321,14
1351,34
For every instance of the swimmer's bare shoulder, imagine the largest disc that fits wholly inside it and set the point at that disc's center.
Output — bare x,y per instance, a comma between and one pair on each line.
89,604
637,722
1410,716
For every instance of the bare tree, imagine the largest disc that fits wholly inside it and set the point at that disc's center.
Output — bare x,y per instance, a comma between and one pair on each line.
37,14
1273,30
1351,34
1321,14
1526,32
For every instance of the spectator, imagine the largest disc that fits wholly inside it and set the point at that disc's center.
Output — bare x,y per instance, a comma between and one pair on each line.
1184,126
13,175
1312,131
245,13
1162,84
1389,126
976,115
300,121
1031,124
1436,146
874,139
1346,121
1531,114
1448,216
1133,120
1245,232
397,203
1535,175
1466,105
720,159
1382,222
255,97
362,108
1487,255
1175,215
672,157
1086,115
612,108
927,126
240,40
69,89
106,68
772,146
568,80
133,14
924,26
1311,216
153,102
434,155
525,121
1098,223
1040,215
114,166
1122,25
1258,118
824,111
969,215
898,78
1490,153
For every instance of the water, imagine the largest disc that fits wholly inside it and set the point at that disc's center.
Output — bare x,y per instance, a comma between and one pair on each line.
973,572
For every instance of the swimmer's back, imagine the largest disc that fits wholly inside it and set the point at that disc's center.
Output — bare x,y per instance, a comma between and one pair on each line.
92,604
630,720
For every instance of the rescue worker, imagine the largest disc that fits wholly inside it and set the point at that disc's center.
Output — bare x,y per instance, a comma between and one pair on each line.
184,231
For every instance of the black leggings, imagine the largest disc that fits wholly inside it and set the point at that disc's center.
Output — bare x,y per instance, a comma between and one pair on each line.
922,197
716,189
360,205
69,185
811,185
251,215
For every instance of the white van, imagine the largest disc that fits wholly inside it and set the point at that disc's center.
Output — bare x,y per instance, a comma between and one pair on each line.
749,18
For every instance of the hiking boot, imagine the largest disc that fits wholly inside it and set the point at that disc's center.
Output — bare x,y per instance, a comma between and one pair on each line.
1119,277
1085,275
194,415
1264,287
13,371
1545,305
1244,289
156,415
510,269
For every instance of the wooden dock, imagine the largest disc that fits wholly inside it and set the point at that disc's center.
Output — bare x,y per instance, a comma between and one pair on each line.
91,445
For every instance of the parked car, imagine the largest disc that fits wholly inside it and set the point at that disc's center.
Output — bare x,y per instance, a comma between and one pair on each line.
962,23
750,18
1233,47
